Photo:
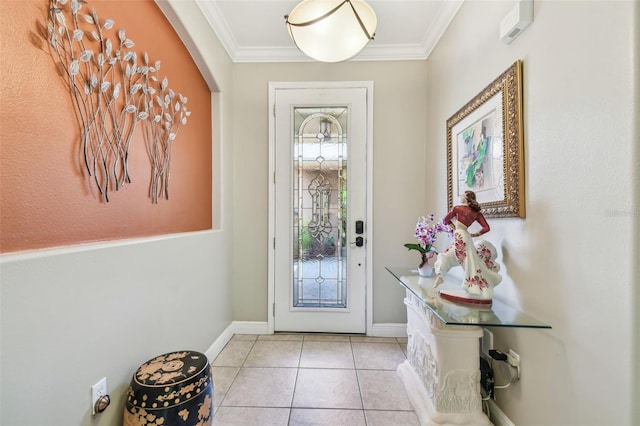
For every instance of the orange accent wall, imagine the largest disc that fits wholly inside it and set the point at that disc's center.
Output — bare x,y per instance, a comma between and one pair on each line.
46,198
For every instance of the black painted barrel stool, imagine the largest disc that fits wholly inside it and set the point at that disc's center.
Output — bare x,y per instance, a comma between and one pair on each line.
173,389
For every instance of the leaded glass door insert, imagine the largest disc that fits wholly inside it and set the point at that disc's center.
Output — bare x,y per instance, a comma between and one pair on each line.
319,207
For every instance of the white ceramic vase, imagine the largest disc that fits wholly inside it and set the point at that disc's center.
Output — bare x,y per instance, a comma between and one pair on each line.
425,270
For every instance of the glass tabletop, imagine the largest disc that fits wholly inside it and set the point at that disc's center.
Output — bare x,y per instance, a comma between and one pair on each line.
499,314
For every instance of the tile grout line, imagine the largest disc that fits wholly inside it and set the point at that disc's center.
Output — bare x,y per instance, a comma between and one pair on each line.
253,343
295,383
355,369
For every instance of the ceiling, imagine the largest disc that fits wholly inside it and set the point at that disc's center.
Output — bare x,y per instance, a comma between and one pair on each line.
255,30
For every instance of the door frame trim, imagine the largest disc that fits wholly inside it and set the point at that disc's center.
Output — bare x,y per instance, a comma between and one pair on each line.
273,86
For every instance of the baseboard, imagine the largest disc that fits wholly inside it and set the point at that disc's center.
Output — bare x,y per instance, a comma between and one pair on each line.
497,416
388,330
250,327
236,327
218,345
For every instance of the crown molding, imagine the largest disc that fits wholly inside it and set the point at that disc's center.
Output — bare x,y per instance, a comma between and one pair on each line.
372,52
441,23
219,25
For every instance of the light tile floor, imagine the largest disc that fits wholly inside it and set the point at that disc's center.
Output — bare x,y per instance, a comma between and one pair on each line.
310,379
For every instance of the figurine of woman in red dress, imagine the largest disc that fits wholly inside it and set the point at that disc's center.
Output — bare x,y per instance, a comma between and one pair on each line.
478,261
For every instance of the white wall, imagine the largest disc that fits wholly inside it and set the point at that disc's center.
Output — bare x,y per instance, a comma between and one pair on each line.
398,174
572,261
72,316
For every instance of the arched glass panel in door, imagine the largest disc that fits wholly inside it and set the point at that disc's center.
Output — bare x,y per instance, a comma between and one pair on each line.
319,207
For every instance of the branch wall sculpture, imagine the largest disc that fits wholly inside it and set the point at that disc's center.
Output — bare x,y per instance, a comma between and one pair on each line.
112,94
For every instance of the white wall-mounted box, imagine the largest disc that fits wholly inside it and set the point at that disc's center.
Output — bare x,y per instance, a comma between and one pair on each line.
516,21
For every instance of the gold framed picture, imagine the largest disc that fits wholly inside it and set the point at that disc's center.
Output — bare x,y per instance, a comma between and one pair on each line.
485,145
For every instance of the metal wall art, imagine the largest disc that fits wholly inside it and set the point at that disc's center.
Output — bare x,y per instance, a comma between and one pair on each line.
112,93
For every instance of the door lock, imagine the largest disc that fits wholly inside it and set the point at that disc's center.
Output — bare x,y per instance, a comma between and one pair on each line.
359,242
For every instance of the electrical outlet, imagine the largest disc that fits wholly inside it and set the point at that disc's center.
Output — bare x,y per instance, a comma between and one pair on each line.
98,390
514,360
486,342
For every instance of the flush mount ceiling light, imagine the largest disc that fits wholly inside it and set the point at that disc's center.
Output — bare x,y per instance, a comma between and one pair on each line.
331,30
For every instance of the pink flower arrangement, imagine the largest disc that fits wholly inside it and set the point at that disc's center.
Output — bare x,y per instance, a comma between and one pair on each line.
426,232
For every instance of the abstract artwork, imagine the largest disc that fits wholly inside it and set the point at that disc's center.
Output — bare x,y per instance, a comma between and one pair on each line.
485,148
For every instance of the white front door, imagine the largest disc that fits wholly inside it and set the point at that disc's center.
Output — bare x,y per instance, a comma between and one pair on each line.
319,206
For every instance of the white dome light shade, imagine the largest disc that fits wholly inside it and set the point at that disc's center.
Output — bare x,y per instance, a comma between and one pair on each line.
331,30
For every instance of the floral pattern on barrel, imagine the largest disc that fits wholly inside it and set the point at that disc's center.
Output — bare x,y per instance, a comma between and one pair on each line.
171,389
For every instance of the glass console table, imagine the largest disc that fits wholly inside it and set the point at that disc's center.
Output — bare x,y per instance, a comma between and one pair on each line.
499,314
441,374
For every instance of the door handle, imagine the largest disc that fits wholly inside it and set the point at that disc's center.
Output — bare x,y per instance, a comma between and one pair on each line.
359,242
